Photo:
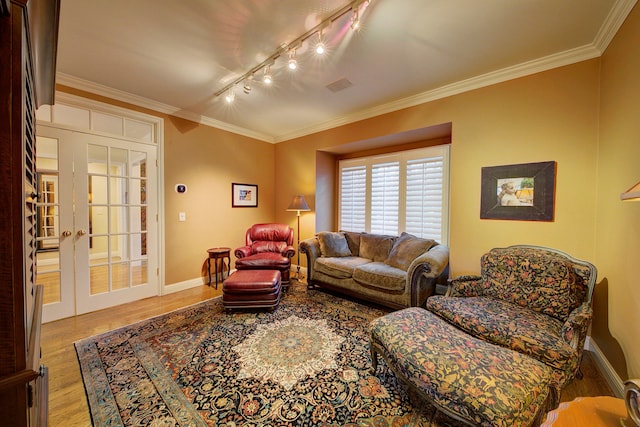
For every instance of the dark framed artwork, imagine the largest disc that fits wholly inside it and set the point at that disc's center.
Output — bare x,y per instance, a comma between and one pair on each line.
244,195
519,192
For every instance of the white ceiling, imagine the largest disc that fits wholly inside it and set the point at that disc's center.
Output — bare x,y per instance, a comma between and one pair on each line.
173,56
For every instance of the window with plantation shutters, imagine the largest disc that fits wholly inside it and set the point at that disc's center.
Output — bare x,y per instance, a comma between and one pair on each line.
403,191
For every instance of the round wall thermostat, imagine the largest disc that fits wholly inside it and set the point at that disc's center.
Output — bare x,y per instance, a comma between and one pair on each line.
181,188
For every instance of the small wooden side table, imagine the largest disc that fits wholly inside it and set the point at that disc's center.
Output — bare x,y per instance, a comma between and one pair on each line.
218,254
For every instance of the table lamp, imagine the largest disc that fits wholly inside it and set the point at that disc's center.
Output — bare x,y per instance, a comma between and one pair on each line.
298,204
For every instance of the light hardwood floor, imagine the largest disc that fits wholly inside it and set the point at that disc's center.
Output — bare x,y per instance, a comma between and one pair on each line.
67,400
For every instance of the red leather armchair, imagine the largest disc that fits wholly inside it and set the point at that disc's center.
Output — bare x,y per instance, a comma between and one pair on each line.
268,247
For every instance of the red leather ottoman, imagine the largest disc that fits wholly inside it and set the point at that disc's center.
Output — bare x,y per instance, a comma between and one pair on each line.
252,289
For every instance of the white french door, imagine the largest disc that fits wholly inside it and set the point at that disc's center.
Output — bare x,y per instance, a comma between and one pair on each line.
97,221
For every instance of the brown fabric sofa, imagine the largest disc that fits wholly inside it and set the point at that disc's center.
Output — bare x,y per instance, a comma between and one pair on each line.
394,271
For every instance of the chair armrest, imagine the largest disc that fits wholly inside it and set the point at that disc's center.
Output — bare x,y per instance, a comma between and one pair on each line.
289,252
575,328
243,251
425,271
310,247
465,286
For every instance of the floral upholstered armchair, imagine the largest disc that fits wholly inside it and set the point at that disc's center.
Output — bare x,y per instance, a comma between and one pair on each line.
531,299
267,247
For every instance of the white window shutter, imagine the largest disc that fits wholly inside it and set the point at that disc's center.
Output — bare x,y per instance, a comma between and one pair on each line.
385,190
424,195
353,198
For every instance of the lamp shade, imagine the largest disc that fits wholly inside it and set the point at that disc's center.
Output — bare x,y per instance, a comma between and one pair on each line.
298,204
632,194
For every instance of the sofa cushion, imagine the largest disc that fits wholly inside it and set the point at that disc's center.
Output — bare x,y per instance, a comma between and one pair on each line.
375,247
407,248
333,244
542,281
338,267
380,275
353,240
518,328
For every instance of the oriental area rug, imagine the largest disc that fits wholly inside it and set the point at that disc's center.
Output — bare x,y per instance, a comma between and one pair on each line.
307,363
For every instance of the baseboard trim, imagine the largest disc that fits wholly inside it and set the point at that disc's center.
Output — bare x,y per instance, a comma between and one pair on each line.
181,286
607,371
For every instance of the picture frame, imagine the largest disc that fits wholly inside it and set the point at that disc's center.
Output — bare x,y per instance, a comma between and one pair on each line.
244,195
523,192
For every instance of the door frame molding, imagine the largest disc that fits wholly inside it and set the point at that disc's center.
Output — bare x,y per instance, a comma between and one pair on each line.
44,118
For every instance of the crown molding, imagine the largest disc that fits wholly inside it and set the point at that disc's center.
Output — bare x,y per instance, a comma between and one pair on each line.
527,68
102,90
612,24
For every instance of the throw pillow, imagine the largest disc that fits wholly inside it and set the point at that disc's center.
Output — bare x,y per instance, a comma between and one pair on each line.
353,239
407,248
375,246
333,244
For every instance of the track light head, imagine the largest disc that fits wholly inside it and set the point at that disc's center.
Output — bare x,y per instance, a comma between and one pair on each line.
320,47
266,79
230,97
355,20
292,64
246,88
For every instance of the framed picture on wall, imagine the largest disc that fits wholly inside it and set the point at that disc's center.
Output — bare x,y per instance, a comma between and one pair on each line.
519,192
244,195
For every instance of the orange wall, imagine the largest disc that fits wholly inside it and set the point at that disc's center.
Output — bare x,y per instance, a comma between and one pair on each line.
548,116
208,160
618,223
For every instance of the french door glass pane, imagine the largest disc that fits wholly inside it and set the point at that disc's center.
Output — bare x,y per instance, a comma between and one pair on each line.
139,272
48,220
119,219
118,162
120,272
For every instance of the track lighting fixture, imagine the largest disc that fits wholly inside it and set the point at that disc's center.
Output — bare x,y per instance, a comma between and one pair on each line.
355,7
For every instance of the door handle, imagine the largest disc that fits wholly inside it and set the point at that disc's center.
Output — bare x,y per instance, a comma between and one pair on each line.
66,233
81,232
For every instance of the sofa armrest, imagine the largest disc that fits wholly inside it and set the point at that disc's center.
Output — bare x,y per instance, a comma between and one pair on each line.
465,286
289,252
242,252
310,247
425,271
575,328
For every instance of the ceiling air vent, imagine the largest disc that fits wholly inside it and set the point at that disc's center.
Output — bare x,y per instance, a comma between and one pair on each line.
339,85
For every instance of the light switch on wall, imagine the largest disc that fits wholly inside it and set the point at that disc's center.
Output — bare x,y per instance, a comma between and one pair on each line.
182,216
